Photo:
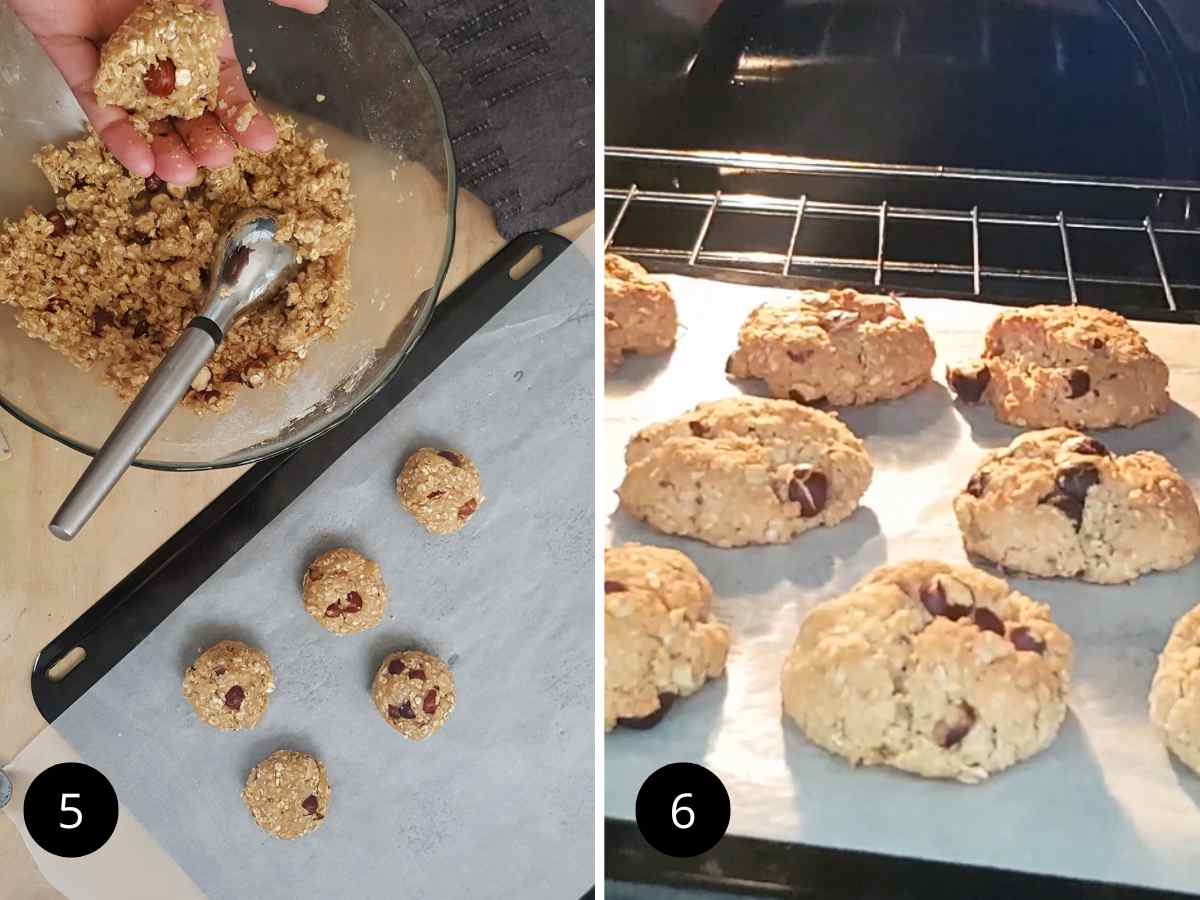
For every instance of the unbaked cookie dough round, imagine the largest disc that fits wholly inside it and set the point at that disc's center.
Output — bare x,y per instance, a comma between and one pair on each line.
1175,691
344,591
414,692
229,685
288,794
441,489
939,670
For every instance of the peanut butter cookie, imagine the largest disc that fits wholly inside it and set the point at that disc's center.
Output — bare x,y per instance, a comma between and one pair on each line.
344,591
441,489
414,692
288,794
229,685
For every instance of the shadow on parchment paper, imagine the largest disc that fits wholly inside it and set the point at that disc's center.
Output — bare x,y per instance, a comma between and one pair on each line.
1189,783
1176,435
635,374
888,428
204,634
987,433
1032,811
809,563
690,726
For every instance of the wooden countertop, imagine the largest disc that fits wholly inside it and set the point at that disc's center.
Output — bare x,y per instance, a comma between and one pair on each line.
47,584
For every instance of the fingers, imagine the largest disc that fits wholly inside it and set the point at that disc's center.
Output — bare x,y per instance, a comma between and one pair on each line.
210,146
246,125
129,147
306,6
173,161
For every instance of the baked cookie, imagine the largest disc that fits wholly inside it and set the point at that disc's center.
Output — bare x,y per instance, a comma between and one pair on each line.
229,685
441,489
162,61
414,692
747,470
939,670
1058,503
840,348
288,794
1175,691
1065,365
639,312
344,591
660,640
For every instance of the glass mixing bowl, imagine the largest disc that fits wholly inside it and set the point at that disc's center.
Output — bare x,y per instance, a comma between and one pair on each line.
380,112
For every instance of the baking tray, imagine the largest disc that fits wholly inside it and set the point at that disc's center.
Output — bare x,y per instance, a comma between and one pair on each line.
1104,812
418,800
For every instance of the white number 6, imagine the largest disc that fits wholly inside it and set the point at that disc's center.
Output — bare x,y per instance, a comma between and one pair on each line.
78,815
676,809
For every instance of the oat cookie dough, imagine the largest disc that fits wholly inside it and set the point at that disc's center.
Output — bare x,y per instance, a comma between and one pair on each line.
639,312
660,639
162,62
113,274
939,670
747,470
229,685
1065,365
414,692
441,489
288,794
344,591
840,348
1058,503
1175,691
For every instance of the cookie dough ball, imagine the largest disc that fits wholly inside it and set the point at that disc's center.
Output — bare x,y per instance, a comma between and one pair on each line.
229,685
344,591
939,670
1058,503
288,794
840,348
1175,692
660,639
639,312
441,489
414,692
1065,365
745,471
162,61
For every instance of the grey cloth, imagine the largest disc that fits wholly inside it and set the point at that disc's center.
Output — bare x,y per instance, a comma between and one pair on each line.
517,79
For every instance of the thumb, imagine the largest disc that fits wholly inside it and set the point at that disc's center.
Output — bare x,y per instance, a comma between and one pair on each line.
307,6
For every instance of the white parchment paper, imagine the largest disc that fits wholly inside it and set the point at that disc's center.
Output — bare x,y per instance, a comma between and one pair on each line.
499,803
1105,802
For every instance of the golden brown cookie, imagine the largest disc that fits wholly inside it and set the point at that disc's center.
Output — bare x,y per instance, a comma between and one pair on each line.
441,489
1175,692
414,692
229,685
639,312
288,794
344,591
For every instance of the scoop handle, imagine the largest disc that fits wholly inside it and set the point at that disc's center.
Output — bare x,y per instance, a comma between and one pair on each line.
160,394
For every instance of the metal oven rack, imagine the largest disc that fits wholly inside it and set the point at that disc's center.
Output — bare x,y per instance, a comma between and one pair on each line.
1013,237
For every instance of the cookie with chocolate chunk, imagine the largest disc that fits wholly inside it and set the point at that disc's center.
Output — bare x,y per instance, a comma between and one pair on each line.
440,488
344,591
1065,365
1058,503
414,692
939,670
229,685
288,794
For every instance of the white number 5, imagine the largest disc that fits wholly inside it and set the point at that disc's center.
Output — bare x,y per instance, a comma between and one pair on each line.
676,809
71,809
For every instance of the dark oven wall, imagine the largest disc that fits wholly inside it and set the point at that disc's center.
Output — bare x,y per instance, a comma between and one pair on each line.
1103,87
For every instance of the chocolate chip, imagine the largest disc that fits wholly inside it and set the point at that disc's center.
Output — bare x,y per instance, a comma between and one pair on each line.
987,620
433,495
218,671
310,804
969,382
396,667
403,711
453,457
314,574
933,598
699,429
159,79
978,484
613,587
354,602
1097,343
810,489
1086,445
1077,480
333,610
468,509
234,697
729,365
642,723
950,734
141,328
429,703
59,222
1071,507
416,674
800,356
1023,639
153,183
101,319
1079,383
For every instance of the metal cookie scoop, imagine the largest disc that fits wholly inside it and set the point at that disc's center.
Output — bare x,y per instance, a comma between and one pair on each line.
249,268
